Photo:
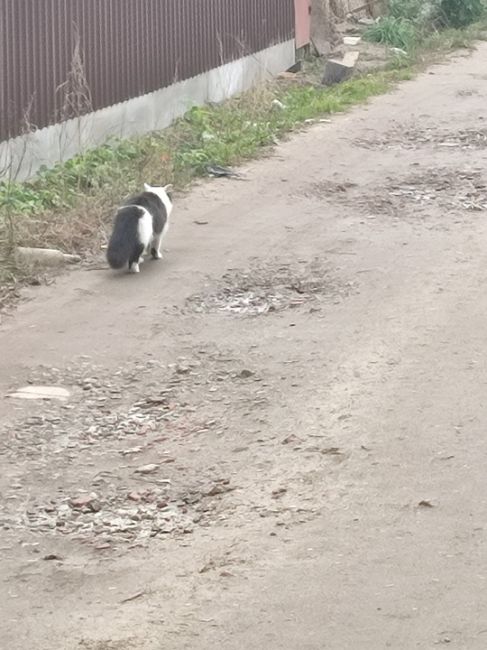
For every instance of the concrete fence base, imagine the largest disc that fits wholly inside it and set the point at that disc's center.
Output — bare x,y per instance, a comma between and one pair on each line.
22,157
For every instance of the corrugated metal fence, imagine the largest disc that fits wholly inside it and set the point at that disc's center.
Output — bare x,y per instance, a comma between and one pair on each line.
63,58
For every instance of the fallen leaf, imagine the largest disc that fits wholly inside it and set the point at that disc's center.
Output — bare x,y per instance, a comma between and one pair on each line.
207,567
332,451
276,494
291,439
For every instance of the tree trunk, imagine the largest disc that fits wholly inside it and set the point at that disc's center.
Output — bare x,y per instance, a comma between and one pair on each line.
323,31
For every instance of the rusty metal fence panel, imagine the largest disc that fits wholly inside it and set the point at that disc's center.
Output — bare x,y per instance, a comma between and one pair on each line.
63,58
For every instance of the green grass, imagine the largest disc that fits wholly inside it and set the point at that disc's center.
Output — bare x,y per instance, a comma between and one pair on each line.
394,31
223,134
450,39
71,206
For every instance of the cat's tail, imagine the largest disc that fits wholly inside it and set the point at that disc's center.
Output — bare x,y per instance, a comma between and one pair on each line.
124,237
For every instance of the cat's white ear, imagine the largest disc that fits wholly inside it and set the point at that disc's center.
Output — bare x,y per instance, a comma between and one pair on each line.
147,187
168,188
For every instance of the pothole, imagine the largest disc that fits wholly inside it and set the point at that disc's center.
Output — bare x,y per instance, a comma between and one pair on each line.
411,196
325,189
116,514
106,468
414,137
268,288
449,189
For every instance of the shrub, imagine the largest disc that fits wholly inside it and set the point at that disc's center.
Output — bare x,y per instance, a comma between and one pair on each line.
460,13
413,10
407,22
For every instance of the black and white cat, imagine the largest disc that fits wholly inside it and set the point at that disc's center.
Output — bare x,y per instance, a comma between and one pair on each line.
139,227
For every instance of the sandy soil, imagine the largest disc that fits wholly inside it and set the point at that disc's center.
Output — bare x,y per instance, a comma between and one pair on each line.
276,436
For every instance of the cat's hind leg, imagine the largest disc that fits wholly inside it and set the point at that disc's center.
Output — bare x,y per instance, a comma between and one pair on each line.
156,247
135,258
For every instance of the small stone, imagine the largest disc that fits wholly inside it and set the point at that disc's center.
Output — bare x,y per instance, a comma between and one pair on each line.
367,22
182,369
147,469
134,496
399,50
52,556
245,374
94,506
85,501
218,488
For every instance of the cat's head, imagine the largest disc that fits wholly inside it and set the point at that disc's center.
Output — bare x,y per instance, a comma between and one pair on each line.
164,193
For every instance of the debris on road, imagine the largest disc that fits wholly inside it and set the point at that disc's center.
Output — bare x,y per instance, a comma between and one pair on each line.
147,469
222,172
425,504
45,257
270,288
136,596
41,393
351,40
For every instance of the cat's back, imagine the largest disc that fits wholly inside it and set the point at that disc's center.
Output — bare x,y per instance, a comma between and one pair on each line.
147,200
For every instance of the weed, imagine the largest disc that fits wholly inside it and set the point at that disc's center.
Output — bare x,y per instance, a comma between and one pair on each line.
447,40
397,32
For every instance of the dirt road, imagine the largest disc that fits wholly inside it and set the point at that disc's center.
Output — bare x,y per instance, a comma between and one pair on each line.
275,437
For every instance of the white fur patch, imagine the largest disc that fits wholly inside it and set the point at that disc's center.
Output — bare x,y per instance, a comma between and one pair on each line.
162,194
144,228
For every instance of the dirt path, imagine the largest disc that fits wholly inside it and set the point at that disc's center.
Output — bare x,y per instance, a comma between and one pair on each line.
276,437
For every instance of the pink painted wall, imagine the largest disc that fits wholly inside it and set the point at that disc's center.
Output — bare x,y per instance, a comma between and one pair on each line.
303,22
